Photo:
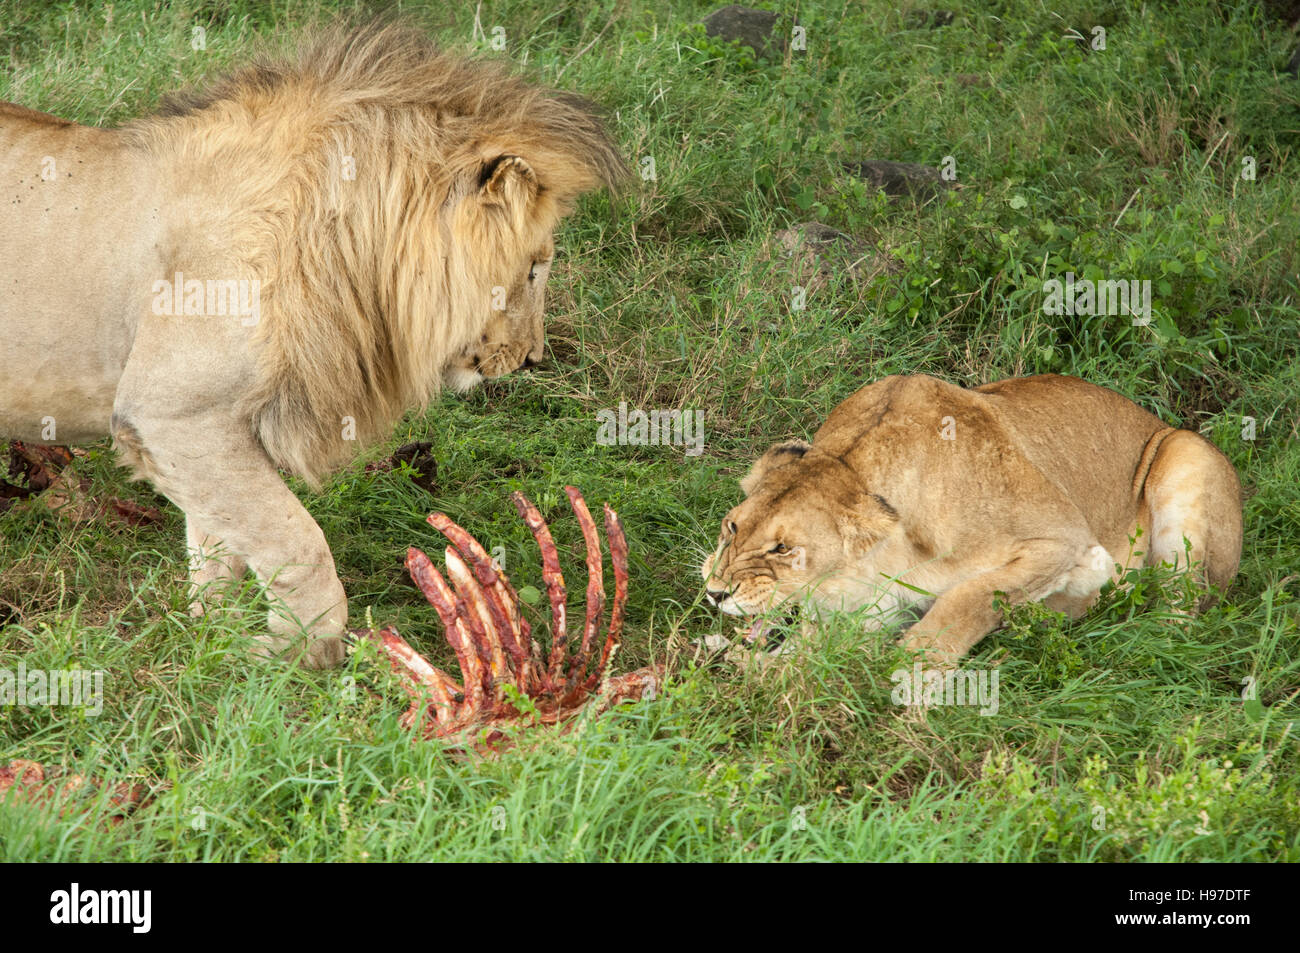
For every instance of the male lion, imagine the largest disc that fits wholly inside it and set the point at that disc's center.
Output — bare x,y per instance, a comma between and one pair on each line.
268,274
1034,487
512,339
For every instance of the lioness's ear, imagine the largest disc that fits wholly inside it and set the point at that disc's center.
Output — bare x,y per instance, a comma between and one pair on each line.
778,455
865,520
509,181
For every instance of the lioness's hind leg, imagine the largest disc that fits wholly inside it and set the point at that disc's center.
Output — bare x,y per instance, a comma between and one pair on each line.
1194,499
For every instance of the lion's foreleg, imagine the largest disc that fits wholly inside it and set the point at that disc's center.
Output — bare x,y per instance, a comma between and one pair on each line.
222,480
309,599
215,571
281,543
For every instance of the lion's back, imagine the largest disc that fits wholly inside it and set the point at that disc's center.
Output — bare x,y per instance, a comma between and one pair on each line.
75,257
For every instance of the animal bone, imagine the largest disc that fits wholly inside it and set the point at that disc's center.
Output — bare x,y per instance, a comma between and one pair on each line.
505,679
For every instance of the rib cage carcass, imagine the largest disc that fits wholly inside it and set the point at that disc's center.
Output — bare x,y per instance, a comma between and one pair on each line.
505,678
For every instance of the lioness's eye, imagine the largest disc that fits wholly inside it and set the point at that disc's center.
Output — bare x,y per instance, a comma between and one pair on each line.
780,548
532,272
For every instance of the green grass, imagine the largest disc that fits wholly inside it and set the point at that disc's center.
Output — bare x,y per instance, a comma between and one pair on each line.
1122,162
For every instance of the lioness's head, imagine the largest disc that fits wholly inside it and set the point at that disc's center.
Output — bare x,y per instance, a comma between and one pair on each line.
805,523
514,337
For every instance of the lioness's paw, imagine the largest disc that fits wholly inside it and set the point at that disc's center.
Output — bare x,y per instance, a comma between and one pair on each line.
933,653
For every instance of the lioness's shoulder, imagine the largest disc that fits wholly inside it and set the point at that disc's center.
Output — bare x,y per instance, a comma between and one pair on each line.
896,396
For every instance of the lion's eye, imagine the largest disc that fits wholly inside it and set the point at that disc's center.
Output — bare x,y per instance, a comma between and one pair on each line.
780,548
532,272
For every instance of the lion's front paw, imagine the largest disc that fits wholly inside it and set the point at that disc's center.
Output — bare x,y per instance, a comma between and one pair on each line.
323,652
310,653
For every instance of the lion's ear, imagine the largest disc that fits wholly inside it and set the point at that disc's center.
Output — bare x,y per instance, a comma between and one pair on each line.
778,455
509,181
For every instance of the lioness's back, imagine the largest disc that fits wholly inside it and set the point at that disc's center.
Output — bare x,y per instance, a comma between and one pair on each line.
1082,436
1086,440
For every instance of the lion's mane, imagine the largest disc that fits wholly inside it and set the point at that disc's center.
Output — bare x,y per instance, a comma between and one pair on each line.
358,183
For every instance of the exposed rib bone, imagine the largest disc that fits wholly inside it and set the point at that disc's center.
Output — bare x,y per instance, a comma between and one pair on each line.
442,599
618,557
486,635
428,686
502,602
553,580
595,588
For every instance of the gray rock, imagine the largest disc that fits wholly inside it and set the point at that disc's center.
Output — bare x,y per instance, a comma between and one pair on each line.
753,28
920,19
814,236
900,178
817,252
971,79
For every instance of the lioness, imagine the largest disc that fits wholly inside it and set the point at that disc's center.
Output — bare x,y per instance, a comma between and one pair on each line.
1034,487
269,273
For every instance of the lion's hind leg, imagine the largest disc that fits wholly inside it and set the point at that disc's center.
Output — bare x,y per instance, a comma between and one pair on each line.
1193,497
